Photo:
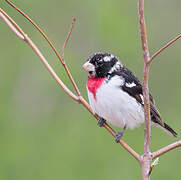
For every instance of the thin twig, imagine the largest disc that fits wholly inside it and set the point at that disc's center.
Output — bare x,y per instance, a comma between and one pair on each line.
17,33
68,37
63,86
52,46
42,58
52,72
164,47
64,64
166,149
13,23
146,159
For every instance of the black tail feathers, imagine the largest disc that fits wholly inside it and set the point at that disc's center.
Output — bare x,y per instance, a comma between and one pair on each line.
170,130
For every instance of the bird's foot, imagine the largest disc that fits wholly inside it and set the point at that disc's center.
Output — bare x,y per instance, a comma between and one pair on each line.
119,136
101,121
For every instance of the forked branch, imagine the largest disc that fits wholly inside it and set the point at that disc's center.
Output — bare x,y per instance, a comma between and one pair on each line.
15,28
164,47
79,99
166,149
147,156
51,44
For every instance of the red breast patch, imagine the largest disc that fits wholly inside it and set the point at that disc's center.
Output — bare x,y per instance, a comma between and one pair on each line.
93,84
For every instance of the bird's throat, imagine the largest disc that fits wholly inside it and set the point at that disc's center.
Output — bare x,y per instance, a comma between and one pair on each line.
93,84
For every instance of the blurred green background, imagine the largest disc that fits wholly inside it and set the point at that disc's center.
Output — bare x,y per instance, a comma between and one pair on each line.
44,134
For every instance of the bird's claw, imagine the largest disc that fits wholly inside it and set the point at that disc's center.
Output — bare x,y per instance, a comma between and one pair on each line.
119,136
101,121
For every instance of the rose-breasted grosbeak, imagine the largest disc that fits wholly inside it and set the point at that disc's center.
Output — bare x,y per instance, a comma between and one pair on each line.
115,94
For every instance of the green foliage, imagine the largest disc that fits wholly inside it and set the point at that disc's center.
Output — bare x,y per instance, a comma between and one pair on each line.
43,133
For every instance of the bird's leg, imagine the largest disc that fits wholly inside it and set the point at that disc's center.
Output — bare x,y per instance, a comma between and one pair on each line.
101,121
120,134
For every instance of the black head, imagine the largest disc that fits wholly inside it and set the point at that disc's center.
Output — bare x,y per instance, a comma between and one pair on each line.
101,65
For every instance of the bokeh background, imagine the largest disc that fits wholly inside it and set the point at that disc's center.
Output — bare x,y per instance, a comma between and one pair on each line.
44,134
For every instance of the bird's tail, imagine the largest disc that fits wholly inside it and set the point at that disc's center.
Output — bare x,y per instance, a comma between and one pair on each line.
169,130
166,128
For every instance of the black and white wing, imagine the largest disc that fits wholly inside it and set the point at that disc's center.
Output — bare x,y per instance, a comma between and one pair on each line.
134,88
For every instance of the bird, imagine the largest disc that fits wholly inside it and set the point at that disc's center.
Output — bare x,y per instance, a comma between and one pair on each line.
116,95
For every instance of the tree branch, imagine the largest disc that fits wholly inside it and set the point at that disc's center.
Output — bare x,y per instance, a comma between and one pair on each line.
164,47
68,37
166,149
42,58
64,64
51,45
79,99
146,158
11,23
16,32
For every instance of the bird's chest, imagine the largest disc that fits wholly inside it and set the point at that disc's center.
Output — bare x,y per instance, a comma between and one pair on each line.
109,101
93,85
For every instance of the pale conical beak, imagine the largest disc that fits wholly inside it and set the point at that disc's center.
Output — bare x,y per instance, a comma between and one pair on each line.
89,67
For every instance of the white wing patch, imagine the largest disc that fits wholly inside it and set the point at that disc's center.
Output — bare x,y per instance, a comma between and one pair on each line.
142,98
107,58
130,85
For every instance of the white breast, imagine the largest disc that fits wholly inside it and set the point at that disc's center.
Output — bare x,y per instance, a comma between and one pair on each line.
115,105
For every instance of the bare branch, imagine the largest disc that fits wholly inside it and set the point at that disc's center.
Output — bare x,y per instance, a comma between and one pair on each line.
17,33
145,76
37,27
164,47
64,64
49,68
42,58
51,45
146,159
79,99
68,37
166,149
